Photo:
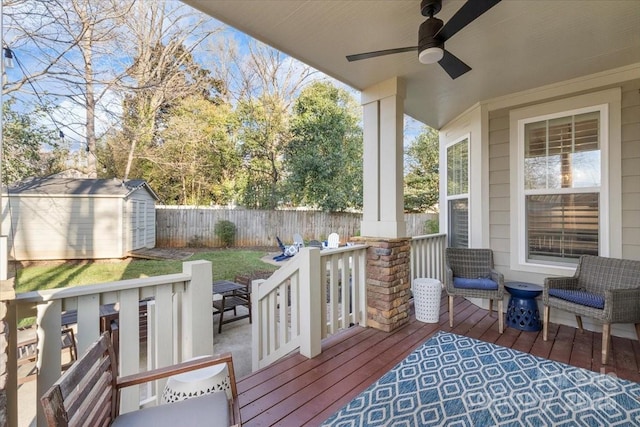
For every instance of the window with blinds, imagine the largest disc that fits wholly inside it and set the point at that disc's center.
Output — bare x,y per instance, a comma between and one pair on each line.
458,168
459,223
563,152
562,226
457,193
562,187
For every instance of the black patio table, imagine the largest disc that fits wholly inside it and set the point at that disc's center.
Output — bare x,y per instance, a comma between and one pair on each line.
233,295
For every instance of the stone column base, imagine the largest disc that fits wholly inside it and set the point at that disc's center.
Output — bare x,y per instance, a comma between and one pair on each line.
388,281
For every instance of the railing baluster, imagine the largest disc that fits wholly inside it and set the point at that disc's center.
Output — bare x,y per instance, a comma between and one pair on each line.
88,321
427,256
272,337
345,294
129,358
49,358
160,322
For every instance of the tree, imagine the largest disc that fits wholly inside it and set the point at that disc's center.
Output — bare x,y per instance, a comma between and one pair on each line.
71,37
421,181
196,163
23,142
164,72
263,132
324,156
263,84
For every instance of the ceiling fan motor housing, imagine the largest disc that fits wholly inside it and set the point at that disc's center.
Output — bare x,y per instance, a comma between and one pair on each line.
427,34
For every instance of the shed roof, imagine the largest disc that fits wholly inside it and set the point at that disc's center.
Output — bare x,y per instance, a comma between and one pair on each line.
80,187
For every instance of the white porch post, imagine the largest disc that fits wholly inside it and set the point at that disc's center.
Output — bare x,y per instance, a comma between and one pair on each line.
197,323
383,116
310,296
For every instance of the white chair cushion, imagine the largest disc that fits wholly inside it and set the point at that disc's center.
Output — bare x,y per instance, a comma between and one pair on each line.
210,409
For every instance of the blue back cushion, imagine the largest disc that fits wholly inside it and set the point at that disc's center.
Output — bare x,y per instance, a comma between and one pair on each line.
579,297
479,283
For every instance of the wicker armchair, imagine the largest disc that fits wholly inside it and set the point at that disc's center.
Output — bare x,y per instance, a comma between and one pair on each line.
470,273
605,289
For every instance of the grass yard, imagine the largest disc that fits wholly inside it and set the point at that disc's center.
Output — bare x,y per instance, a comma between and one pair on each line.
226,265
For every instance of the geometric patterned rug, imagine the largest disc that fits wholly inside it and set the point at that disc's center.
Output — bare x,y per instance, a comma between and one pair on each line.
452,380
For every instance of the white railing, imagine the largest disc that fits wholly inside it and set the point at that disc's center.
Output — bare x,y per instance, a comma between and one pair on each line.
427,256
179,326
327,285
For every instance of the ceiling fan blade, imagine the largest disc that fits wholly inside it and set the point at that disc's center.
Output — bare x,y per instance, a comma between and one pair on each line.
452,65
469,11
367,55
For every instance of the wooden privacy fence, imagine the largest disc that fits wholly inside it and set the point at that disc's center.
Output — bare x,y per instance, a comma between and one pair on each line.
181,226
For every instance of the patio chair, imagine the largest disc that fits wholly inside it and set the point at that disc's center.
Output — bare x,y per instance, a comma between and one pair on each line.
605,289
333,241
284,255
88,394
469,273
298,241
27,350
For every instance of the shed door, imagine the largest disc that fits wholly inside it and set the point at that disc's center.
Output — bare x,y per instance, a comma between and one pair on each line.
139,223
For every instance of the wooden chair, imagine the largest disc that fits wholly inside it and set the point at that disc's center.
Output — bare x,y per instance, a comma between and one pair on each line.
87,394
469,273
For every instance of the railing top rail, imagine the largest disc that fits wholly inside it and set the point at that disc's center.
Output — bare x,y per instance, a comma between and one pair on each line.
77,291
341,249
429,236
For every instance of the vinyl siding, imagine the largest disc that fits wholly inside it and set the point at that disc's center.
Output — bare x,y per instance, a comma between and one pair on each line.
139,221
499,196
631,170
499,200
48,228
499,176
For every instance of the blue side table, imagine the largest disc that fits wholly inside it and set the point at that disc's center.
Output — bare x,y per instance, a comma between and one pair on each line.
522,311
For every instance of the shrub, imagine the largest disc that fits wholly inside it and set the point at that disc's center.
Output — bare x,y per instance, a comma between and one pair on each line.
226,232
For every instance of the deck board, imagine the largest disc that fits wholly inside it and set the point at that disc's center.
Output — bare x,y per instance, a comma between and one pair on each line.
299,391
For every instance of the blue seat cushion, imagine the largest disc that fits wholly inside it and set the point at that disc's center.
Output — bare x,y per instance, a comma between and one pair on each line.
579,297
479,283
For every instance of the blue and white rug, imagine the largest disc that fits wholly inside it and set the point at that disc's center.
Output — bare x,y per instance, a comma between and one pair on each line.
458,381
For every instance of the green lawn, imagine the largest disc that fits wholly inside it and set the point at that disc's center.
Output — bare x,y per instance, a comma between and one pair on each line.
226,264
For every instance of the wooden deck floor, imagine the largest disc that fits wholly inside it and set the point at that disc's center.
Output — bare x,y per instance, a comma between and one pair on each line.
297,391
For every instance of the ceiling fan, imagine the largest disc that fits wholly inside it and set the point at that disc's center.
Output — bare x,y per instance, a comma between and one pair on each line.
433,33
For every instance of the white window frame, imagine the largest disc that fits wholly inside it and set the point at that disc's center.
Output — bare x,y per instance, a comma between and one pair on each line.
606,103
466,195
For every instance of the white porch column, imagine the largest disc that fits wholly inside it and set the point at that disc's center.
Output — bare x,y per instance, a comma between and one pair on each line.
383,116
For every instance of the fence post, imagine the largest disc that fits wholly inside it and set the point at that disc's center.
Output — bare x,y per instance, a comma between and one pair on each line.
197,313
310,303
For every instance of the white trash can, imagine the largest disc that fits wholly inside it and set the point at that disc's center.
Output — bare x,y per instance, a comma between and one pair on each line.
426,299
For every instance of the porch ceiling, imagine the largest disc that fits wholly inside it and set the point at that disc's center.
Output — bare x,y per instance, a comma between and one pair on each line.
515,46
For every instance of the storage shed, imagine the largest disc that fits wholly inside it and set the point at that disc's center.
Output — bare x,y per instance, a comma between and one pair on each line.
68,218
